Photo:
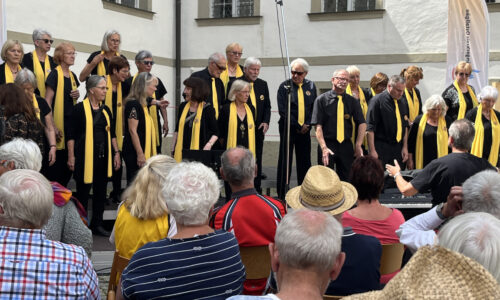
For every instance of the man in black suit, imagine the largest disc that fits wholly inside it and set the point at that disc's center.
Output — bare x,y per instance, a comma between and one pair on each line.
211,74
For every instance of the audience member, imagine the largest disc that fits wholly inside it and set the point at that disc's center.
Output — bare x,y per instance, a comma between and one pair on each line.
32,265
447,171
250,229
68,221
474,235
302,95
323,190
304,272
197,262
370,217
480,193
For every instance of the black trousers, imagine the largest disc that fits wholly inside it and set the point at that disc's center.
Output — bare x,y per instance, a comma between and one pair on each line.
98,185
117,182
59,171
342,159
132,167
302,145
259,146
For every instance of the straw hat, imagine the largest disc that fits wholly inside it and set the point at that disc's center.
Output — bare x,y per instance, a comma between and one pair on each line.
322,190
438,273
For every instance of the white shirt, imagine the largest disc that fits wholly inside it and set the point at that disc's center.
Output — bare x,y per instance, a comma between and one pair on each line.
419,230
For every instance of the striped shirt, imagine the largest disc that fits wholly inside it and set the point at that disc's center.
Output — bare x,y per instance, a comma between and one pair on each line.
202,267
33,267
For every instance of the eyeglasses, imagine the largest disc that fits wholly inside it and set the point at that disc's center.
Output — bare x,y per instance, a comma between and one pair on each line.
236,53
464,74
297,73
70,53
114,41
102,88
223,68
342,78
148,62
46,41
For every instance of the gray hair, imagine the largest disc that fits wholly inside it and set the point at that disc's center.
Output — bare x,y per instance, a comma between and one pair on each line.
93,81
25,154
301,62
139,87
462,132
107,34
142,54
241,171
237,86
308,239
338,71
435,101
252,61
488,92
475,235
191,190
216,57
38,33
26,76
353,70
395,79
481,193
26,198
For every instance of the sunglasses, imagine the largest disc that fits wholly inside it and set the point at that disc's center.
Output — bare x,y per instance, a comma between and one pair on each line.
297,73
46,41
223,68
148,63
464,74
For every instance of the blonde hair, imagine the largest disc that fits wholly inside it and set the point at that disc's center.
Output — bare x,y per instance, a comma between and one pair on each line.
8,45
233,46
463,66
353,70
143,197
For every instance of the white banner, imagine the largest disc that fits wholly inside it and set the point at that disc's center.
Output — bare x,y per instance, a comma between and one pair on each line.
468,40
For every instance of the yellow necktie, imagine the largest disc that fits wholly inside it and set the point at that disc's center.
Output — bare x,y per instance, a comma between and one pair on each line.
340,120
300,97
215,101
399,132
252,98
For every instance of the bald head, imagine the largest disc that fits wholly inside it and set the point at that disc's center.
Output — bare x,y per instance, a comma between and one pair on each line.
238,166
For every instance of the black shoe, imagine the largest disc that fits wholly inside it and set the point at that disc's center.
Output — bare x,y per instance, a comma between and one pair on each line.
99,230
263,175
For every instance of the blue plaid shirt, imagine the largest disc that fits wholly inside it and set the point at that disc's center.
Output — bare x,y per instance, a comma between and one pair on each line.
32,267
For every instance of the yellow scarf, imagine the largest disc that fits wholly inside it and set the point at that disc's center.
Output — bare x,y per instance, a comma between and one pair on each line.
442,140
252,97
300,98
59,104
233,128
373,92
150,141
119,108
9,78
461,100
215,101
40,74
195,131
364,109
35,105
340,120
88,171
399,130
478,143
101,69
154,115
413,104
224,76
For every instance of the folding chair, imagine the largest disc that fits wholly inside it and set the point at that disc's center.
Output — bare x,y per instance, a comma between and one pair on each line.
119,264
392,258
257,261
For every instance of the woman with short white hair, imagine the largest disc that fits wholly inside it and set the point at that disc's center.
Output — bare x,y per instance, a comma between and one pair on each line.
428,136
197,262
486,142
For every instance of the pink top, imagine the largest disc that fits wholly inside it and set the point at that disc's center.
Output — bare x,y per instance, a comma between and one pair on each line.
383,230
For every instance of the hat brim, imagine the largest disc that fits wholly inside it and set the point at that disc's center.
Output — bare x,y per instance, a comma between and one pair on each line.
350,197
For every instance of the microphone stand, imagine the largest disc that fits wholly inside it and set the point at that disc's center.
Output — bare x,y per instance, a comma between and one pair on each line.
288,86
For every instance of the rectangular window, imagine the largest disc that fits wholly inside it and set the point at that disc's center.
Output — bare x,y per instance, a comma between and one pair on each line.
349,5
140,4
232,8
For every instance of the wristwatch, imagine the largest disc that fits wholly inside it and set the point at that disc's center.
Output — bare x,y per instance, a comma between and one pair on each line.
439,212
